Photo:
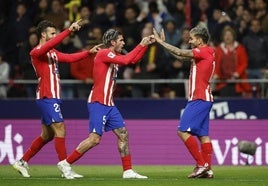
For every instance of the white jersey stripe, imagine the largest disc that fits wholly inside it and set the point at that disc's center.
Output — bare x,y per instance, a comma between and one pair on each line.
106,84
51,80
90,96
56,75
38,90
58,86
111,93
193,80
207,94
50,67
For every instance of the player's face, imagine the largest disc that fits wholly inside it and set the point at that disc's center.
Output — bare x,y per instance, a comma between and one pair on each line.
50,33
119,44
194,41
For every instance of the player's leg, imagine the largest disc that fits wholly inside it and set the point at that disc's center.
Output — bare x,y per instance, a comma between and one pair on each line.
51,111
189,126
206,145
206,150
88,143
65,165
22,165
59,139
116,123
95,129
192,145
123,147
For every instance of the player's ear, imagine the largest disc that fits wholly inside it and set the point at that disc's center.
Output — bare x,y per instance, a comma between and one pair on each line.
112,42
43,34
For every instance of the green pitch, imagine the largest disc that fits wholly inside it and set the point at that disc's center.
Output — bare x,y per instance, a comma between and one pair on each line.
158,176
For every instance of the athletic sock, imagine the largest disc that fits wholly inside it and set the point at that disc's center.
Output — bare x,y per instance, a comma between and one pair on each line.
126,162
35,147
192,146
60,148
74,156
207,152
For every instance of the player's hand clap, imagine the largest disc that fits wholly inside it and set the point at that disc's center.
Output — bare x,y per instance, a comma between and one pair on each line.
158,38
147,40
96,48
76,25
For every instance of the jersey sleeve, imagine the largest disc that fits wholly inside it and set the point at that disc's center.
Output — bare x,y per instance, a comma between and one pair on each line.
69,58
41,50
200,53
132,57
197,53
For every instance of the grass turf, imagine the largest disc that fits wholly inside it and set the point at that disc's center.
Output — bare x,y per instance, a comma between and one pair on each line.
158,175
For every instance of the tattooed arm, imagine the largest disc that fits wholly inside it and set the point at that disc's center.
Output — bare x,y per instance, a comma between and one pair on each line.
175,51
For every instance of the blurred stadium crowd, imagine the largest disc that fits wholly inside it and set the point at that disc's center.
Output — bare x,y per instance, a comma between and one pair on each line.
238,31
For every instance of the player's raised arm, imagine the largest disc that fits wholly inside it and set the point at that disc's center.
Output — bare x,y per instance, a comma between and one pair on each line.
147,40
175,51
76,25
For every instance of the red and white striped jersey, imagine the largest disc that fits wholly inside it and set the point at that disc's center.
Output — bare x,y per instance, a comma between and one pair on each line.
105,69
45,62
202,69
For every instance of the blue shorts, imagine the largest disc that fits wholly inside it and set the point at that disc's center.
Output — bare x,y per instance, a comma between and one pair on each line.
104,118
50,110
195,118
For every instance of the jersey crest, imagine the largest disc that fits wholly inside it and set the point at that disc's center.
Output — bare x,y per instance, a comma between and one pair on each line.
111,55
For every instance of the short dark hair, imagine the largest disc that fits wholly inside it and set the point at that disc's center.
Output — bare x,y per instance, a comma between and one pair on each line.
42,26
228,29
201,32
110,35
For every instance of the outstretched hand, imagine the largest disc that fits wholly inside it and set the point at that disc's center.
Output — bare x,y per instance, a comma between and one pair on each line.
147,40
157,37
96,48
76,25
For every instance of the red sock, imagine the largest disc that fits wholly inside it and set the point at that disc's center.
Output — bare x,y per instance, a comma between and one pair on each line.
36,145
126,162
192,146
207,152
74,156
60,147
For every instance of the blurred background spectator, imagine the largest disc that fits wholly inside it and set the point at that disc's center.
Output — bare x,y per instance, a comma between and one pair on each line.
67,46
4,76
231,63
26,67
150,67
131,27
72,8
57,14
41,11
100,18
86,16
249,20
83,70
18,30
181,68
256,43
261,14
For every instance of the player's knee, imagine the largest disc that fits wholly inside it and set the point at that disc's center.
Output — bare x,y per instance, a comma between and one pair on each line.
94,140
182,134
47,138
